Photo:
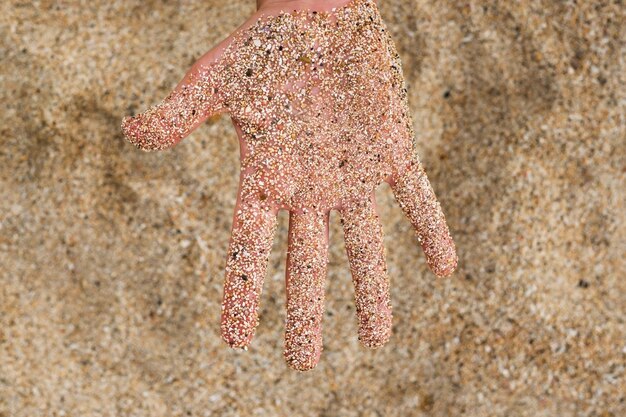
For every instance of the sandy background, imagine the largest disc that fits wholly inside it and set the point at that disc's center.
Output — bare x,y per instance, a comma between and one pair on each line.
111,260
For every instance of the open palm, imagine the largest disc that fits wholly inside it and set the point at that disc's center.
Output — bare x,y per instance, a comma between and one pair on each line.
319,104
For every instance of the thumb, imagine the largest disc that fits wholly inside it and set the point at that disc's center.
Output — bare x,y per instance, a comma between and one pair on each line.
197,97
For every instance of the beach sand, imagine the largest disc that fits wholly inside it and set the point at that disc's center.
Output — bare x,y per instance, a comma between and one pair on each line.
112,260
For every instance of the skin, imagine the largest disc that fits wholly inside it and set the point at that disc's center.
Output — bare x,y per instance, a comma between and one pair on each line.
319,104
319,5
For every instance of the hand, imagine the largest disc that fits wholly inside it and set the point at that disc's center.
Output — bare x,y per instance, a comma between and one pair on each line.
319,103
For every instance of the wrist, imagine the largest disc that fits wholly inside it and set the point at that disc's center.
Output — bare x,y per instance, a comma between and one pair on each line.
260,4
301,4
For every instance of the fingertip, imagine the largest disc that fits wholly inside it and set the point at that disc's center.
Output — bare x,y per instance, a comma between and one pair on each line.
375,326
131,133
138,132
237,339
446,267
126,126
302,359
375,340
236,332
